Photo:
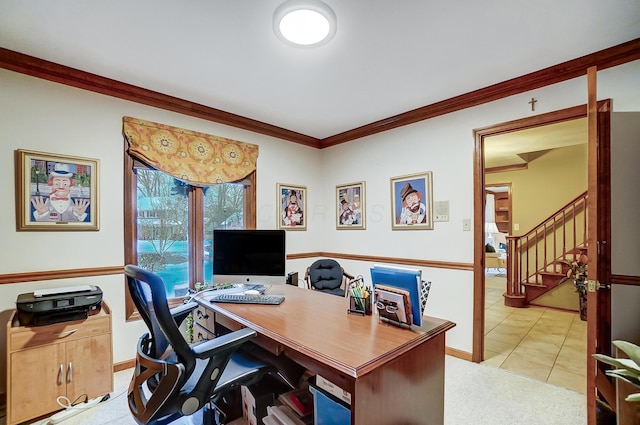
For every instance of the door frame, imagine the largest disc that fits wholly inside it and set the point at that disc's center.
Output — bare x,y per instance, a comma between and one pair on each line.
480,134
600,309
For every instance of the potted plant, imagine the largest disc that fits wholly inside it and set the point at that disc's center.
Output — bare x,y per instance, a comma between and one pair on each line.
577,272
626,369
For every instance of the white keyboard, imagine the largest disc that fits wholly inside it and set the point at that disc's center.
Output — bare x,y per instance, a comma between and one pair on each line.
64,290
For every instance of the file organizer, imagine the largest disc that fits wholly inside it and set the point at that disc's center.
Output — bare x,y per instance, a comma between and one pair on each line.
393,305
407,279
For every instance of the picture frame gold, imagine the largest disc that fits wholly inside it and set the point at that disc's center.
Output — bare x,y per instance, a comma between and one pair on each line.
412,202
292,202
56,192
350,206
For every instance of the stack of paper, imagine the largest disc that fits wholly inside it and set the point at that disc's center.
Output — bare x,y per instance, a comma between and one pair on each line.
281,415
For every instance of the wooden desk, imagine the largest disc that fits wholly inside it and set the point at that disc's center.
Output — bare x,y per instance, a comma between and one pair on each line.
395,375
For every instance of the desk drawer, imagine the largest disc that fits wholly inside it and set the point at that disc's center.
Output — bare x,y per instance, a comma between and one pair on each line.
200,333
204,318
33,336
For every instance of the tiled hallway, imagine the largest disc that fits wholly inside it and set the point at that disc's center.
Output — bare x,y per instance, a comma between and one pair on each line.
541,343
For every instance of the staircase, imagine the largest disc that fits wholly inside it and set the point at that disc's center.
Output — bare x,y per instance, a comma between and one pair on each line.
534,264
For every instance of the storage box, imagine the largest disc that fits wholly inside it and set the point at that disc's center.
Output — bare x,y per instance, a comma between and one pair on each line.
256,398
333,389
327,409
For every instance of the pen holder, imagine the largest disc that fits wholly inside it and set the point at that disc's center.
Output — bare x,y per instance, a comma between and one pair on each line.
360,305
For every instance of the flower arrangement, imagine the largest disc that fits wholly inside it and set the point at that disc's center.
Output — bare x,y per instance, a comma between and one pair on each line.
577,272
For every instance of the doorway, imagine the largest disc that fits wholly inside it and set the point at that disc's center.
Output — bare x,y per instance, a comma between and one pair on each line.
507,337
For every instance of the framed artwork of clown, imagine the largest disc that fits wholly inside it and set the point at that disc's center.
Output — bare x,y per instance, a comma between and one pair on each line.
412,202
56,192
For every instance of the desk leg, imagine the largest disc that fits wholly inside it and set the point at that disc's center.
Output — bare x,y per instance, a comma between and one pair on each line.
409,390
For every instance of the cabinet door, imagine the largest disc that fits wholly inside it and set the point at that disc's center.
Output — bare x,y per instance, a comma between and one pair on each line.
37,378
88,365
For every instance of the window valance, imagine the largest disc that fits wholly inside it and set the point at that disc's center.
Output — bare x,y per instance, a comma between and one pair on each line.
196,158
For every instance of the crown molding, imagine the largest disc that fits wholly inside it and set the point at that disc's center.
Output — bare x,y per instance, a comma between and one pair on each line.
603,59
51,71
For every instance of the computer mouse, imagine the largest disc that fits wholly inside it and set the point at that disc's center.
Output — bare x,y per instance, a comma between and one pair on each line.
251,292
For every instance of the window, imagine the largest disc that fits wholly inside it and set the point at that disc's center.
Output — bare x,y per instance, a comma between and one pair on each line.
179,185
169,224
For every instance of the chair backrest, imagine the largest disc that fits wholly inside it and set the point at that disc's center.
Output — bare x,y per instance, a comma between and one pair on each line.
149,295
325,274
173,378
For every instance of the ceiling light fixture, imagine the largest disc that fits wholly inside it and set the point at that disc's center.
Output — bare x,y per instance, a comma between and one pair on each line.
304,23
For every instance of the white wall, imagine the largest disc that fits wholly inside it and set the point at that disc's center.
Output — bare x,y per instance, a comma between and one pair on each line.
44,116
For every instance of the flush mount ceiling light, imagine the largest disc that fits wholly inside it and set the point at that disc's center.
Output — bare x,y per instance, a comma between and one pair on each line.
304,23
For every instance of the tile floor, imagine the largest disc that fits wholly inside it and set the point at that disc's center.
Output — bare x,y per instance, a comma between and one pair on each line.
544,344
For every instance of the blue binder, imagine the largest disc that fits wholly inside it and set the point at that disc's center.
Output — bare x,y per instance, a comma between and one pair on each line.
403,278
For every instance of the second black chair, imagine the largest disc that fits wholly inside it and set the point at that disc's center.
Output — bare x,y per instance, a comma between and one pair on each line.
327,276
173,378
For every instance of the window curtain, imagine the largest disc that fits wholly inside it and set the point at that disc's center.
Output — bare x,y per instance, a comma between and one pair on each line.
195,158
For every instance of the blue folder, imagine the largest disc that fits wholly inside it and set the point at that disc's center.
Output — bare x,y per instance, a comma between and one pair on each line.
402,278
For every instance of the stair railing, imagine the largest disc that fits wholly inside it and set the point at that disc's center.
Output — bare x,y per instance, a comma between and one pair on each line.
556,238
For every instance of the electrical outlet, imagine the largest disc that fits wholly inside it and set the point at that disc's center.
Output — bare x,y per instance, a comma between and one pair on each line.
516,226
466,224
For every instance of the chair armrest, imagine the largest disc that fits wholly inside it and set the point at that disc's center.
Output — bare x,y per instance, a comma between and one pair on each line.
234,339
306,278
348,275
181,312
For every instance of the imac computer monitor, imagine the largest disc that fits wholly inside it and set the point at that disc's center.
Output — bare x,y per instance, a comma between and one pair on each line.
249,256
401,278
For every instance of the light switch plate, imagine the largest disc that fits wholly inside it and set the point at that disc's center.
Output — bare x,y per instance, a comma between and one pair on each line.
466,224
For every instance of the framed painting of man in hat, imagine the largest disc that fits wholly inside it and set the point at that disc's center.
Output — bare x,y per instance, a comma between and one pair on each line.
350,213
291,207
56,192
412,201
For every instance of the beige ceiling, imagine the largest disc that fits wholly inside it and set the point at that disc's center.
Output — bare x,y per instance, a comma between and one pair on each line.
524,146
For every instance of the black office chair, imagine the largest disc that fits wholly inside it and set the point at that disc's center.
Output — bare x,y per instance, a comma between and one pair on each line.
173,378
327,276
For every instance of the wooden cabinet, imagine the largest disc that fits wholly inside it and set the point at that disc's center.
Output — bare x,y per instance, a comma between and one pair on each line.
69,359
503,212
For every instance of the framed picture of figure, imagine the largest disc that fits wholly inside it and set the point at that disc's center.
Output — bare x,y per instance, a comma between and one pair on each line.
292,201
56,192
350,206
412,202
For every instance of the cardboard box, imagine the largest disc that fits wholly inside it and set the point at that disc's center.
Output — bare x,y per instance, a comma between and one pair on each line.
333,389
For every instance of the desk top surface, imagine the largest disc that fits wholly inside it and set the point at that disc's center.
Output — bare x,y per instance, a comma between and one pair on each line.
318,325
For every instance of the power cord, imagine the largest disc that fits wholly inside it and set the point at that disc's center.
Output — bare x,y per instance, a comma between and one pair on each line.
75,407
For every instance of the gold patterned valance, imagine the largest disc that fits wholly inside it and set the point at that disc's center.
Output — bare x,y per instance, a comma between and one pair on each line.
196,158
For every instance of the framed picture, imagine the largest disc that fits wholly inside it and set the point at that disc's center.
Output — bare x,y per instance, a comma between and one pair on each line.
412,202
350,206
56,192
292,201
